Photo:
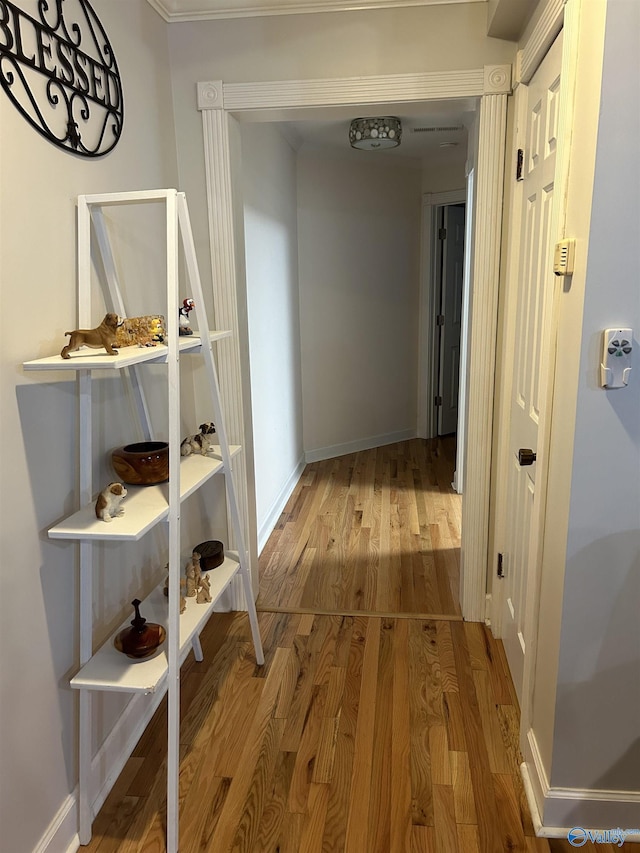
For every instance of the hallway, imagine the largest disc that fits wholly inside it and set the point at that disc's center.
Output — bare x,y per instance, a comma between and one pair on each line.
362,732
374,532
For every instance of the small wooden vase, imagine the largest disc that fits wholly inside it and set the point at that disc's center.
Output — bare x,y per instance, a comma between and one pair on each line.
142,639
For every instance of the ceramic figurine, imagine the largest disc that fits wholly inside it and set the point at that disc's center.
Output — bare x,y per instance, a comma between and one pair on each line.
204,593
109,500
145,331
183,316
183,600
103,336
200,443
192,572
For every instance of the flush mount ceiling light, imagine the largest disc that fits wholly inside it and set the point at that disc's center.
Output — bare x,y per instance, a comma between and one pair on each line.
377,132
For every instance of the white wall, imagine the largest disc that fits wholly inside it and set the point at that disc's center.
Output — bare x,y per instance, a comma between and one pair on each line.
587,684
38,457
358,233
271,247
597,732
327,45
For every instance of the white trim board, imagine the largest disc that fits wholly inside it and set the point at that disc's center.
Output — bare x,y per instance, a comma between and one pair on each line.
279,504
334,450
175,11
61,835
555,810
220,103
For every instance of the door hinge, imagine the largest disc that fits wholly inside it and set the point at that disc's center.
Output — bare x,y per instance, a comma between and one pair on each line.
442,234
440,320
500,571
520,165
437,401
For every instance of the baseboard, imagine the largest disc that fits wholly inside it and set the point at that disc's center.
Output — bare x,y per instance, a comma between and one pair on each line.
279,504
333,450
557,811
61,835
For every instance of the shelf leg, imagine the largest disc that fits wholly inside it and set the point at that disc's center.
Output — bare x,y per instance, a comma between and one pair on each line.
197,648
85,818
253,615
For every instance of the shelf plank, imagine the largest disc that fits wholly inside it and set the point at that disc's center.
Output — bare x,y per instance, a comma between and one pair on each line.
144,506
89,359
111,670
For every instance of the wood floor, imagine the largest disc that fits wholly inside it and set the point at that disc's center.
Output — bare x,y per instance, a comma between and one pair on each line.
360,734
376,531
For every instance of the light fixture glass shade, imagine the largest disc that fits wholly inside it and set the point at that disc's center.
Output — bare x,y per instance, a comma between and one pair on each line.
377,132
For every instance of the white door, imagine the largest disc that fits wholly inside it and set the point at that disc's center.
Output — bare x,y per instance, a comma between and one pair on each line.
530,353
451,314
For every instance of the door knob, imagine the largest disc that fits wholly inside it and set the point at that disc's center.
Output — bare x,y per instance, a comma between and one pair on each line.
526,456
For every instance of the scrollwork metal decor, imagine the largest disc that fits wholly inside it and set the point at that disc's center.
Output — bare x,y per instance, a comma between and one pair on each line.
58,68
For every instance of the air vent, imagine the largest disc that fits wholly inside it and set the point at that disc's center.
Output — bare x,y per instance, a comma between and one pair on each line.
436,129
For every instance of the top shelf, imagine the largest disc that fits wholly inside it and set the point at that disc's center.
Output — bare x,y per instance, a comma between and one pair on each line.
87,359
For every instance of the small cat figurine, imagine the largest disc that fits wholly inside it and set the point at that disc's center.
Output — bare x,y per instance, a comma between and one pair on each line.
109,500
200,443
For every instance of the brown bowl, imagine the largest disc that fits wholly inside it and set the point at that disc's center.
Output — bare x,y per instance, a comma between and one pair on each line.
143,463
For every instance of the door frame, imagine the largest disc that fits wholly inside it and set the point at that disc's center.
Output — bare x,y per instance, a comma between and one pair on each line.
222,103
427,337
556,15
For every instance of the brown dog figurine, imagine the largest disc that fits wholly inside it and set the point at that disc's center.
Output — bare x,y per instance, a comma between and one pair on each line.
103,336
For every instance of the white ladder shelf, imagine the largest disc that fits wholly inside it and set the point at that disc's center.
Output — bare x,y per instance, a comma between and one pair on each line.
106,669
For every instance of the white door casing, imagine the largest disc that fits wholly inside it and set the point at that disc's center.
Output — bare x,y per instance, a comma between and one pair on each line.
491,86
531,349
429,308
451,313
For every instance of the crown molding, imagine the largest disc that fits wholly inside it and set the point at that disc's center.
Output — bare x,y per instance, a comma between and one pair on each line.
177,11
398,88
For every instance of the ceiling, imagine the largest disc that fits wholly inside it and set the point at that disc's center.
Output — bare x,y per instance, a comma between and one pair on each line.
202,10
434,128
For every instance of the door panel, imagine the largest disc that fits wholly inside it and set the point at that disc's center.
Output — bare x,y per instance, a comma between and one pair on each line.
535,289
451,309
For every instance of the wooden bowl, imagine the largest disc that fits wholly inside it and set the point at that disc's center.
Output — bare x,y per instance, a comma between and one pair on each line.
143,463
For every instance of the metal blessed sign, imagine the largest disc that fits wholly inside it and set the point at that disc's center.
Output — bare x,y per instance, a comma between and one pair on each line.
58,68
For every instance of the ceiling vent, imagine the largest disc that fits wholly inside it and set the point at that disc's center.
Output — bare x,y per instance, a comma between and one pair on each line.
450,129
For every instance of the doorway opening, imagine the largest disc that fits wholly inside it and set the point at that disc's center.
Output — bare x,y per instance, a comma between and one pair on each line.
487,89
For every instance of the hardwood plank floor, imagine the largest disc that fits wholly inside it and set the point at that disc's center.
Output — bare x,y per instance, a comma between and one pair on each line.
369,729
376,531
360,734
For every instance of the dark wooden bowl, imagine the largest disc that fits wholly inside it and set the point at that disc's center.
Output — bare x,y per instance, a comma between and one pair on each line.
143,463
211,554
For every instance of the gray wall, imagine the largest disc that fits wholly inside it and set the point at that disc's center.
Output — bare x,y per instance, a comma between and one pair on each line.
271,248
38,458
597,733
359,238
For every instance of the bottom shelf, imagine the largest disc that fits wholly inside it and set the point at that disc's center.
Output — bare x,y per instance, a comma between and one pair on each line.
109,669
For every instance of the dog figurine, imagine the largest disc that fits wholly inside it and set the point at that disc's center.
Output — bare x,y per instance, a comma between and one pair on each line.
200,443
109,500
103,336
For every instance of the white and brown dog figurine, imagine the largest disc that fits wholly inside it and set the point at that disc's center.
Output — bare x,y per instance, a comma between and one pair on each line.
103,336
109,500
200,443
